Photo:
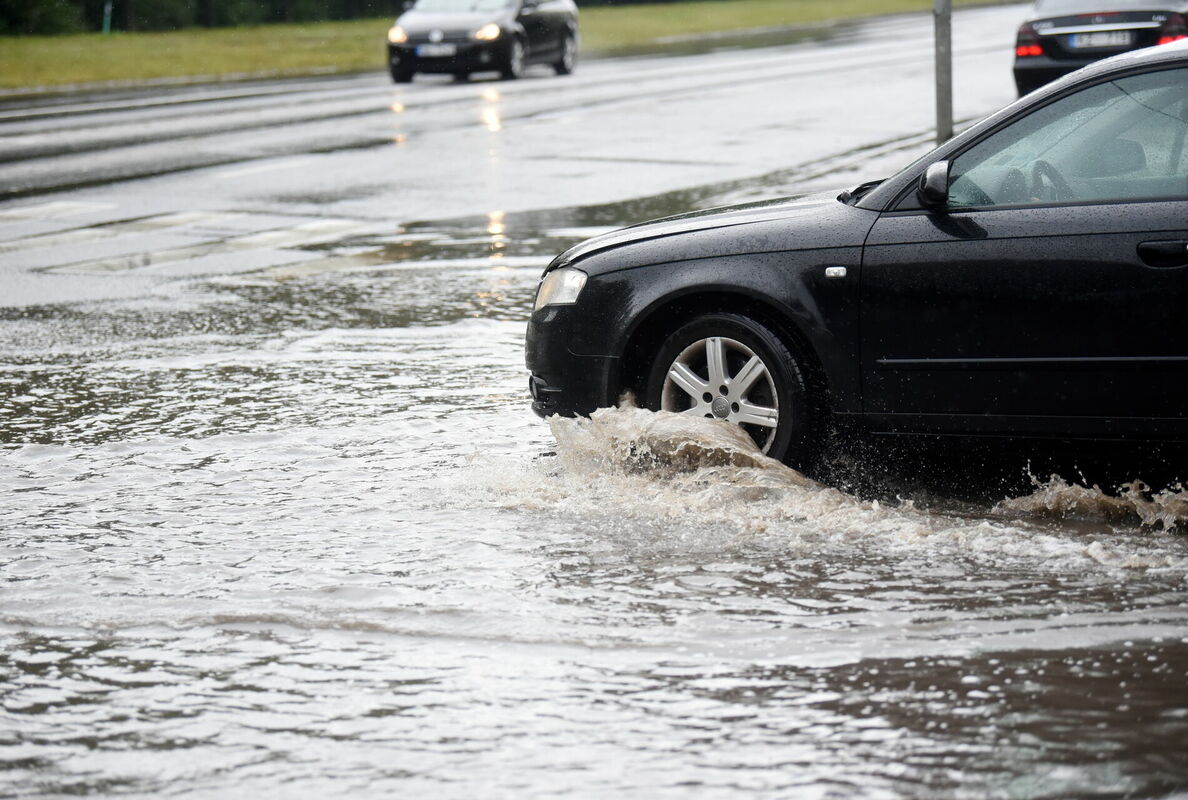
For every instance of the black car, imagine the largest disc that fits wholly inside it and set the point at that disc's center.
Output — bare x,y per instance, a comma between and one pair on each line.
1061,36
464,36
1027,278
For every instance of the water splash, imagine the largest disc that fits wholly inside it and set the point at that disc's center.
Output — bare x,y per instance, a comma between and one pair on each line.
633,439
1135,502
658,481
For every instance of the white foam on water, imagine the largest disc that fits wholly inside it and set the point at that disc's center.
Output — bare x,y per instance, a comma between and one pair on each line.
666,482
1135,501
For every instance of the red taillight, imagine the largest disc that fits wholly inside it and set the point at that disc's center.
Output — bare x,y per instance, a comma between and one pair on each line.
1027,44
1173,30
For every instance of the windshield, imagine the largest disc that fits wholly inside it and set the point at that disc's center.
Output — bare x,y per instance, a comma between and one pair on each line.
462,6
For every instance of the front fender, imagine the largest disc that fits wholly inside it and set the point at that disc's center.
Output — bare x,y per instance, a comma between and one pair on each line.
788,289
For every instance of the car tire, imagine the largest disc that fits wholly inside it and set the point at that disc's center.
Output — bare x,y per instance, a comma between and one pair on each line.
400,75
773,389
568,59
462,76
513,64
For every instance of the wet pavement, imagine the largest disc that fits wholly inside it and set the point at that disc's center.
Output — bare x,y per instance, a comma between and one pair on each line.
277,518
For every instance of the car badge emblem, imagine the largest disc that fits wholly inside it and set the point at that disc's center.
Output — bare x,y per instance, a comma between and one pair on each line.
720,407
435,36
1098,20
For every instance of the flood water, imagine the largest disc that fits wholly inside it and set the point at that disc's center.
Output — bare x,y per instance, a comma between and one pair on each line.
296,533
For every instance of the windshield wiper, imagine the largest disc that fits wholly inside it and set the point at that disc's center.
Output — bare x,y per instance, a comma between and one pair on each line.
851,196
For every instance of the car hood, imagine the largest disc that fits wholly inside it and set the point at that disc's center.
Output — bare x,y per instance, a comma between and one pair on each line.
423,21
788,209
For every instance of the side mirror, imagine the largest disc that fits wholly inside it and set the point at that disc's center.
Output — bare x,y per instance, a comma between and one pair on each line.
933,190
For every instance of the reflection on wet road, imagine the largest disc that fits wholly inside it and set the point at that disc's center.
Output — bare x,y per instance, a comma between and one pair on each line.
277,519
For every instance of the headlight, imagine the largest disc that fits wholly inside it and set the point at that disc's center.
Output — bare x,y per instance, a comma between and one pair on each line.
396,35
488,33
560,287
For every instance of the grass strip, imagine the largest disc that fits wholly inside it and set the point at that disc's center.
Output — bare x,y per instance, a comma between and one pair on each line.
358,45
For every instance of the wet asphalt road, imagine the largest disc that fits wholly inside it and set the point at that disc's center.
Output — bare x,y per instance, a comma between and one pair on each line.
661,117
277,519
303,173
615,130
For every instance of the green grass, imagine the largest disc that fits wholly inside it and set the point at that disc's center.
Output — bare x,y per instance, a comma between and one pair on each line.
37,61
28,61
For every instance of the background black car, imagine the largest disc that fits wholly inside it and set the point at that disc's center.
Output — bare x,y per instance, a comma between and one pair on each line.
1027,278
1061,36
465,36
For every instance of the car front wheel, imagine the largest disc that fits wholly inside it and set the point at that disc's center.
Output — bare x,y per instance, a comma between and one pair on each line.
568,59
730,367
513,66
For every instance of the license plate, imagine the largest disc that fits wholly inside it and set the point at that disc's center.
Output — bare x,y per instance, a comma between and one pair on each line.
437,50
1101,39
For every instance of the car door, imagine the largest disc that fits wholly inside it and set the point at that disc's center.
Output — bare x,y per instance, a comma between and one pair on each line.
1050,293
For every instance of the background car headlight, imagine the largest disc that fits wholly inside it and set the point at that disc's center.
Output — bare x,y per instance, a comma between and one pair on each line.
560,287
488,32
396,35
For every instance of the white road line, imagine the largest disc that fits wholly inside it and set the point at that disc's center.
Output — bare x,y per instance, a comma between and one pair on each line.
104,232
378,261
54,210
308,233
288,163
328,230
184,218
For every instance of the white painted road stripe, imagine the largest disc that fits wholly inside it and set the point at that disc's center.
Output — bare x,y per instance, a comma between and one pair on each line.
289,163
327,230
60,208
104,232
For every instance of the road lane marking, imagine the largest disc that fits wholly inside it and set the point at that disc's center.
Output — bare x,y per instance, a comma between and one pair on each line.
315,232
307,233
379,261
114,230
270,167
54,210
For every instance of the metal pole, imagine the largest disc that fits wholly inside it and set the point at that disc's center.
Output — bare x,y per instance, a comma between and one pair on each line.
107,17
943,13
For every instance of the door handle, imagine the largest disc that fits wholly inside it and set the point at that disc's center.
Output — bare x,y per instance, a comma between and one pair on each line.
1164,254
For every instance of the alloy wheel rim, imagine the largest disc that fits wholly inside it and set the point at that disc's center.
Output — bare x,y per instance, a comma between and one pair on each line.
516,61
722,378
567,53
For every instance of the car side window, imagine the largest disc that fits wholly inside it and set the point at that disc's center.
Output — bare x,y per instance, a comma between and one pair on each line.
1120,140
